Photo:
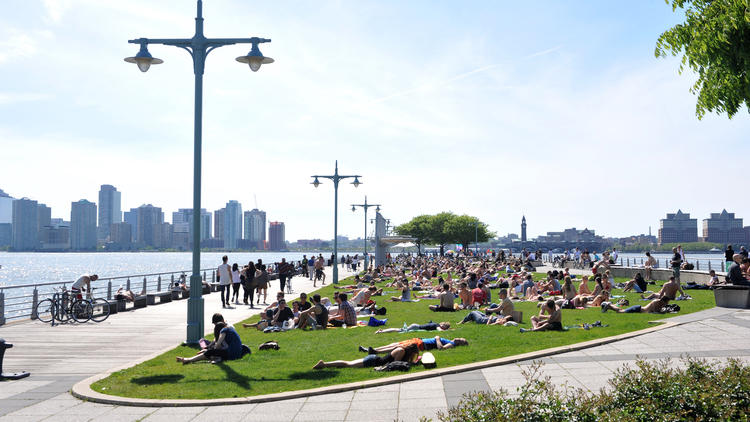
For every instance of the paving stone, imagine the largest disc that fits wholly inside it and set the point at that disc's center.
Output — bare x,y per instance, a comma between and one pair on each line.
372,415
331,415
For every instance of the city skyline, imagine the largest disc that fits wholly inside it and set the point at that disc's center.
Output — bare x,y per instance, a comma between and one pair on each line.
524,110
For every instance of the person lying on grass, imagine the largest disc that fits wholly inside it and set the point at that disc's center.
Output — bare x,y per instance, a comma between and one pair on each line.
552,321
655,306
227,346
668,290
369,361
414,345
430,326
637,283
598,300
446,298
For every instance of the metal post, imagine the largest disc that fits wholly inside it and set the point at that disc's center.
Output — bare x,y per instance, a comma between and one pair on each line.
145,287
628,261
366,257
709,265
204,279
213,276
335,224
34,302
697,265
109,290
476,238
158,284
127,284
2,307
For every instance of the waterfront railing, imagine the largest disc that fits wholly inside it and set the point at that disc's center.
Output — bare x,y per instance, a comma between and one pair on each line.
19,301
717,265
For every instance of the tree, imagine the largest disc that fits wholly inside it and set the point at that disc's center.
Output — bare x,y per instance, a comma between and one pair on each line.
464,230
714,42
438,232
418,228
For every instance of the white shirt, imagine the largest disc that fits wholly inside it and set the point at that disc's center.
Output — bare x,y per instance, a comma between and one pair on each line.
235,277
79,283
223,272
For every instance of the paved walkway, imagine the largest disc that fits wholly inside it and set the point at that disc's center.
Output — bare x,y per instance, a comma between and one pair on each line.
713,334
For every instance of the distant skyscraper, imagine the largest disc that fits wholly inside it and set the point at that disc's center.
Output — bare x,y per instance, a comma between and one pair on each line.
131,217
232,224
25,228
163,235
219,220
121,235
6,208
677,228
83,225
276,236
110,211
523,229
723,227
6,234
255,227
149,216
185,215
44,216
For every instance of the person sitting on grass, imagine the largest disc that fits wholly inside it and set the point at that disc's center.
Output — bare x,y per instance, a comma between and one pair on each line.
568,291
315,316
227,346
446,298
478,296
345,315
369,361
402,285
714,280
668,290
598,299
655,306
552,321
583,288
505,308
465,295
414,345
430,326
637,283
281,314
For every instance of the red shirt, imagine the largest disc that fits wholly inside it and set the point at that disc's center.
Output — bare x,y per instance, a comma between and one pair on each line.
478,295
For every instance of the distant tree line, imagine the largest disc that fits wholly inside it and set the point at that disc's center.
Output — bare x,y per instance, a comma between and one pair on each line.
445,228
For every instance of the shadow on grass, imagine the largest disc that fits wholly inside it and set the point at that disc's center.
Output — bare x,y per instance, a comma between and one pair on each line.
158,379
242,381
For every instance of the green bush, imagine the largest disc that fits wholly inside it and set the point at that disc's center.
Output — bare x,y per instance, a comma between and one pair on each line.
651,391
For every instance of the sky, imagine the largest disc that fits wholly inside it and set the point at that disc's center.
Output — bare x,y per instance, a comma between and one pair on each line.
558,111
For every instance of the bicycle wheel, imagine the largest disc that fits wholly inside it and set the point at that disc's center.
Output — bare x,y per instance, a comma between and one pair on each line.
62,310
45,310
100,310
81,311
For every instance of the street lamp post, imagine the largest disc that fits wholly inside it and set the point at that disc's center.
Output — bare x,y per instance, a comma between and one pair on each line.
476,238
336,177
365,206
198,46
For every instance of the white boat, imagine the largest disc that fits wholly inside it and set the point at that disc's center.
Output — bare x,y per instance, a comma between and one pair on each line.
714,250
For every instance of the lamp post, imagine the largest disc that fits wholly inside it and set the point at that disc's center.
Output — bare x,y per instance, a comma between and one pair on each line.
336,177
198,46
476,238
365,206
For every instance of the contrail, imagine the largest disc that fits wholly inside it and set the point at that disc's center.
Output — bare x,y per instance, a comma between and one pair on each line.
464,75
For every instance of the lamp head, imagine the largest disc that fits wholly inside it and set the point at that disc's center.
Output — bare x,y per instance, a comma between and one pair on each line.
356,182
143,59
254,58
377,209
354,208
316,182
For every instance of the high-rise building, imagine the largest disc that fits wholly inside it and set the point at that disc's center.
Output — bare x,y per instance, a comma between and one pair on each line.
121,235
149,216
255,227
185,215
131,217
109,210
724,228
523,228
25,226
219,219
44,216
678,228
232,224
181,236
55,236
6,234
6,208
82,225
276,236
163,235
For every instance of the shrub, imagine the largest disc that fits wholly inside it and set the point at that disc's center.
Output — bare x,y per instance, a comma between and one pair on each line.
650,391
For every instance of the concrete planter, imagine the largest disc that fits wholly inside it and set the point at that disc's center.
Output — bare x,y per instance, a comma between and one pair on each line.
732,297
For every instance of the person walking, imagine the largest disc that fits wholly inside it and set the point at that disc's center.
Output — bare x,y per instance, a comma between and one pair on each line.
728,257
311,267
249,283
224,273
236,283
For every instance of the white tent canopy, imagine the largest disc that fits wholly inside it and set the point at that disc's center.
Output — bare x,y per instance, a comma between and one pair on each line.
404,245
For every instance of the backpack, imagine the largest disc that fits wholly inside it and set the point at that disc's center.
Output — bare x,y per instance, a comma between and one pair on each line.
380,311
397,365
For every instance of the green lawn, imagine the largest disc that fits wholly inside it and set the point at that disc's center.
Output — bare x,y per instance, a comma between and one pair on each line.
289,368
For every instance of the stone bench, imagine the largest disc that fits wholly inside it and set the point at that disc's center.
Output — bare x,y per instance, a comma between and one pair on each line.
732,296
140,302
121,305
164,297
176,294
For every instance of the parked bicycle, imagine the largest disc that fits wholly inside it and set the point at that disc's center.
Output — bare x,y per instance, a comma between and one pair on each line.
62,307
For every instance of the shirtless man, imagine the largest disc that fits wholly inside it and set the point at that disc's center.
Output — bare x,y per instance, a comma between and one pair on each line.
551,321
368,361
78,286
650,263
505,309
654,306
668,290
465,295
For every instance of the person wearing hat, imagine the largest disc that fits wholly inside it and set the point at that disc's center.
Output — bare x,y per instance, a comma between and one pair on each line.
227,346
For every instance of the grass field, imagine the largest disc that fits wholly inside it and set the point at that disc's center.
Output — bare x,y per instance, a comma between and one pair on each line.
289,368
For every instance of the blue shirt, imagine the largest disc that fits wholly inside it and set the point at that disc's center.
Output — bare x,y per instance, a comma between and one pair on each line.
431,343
234,349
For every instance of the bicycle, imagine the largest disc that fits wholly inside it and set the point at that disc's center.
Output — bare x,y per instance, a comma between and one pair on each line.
99,310
61,307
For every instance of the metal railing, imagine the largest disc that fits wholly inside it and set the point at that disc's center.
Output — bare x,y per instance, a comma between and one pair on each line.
717,265
19,301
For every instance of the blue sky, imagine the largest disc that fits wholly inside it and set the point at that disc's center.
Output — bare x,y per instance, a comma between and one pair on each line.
555,110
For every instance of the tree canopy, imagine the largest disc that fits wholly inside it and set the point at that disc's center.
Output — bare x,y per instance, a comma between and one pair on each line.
714,42
445,228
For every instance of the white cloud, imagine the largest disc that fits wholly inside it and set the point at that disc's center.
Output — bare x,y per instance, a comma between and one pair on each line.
56,9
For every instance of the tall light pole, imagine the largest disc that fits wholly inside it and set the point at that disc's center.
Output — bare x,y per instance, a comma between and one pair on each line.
198,46
365,206
336,177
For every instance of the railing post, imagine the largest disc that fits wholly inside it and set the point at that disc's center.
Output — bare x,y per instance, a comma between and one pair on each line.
709,265
2,307
213,276
109,290
145,288
204,276
34,302
641,261
127,284
621,261
172,283
158,284
628,261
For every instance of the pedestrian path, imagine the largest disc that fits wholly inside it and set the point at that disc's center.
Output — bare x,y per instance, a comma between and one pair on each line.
714,334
